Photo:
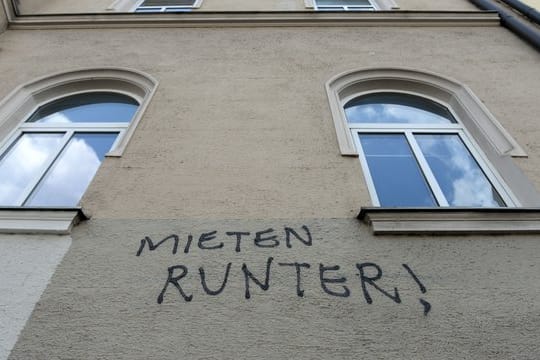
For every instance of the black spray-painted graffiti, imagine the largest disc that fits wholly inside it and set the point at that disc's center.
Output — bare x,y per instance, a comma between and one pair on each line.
368,273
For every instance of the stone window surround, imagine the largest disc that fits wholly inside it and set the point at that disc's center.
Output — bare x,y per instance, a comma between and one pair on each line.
25,99
489,135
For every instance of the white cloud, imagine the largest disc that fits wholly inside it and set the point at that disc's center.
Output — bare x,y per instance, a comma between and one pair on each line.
56,118
69,177
23,163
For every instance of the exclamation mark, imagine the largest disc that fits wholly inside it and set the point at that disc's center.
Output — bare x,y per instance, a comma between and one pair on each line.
425,304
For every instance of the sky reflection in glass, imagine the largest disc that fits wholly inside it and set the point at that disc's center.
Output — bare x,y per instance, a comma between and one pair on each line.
397,177
393,108
88,107
24,162
67,180
458,174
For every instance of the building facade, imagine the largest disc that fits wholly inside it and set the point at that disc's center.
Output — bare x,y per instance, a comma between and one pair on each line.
272,181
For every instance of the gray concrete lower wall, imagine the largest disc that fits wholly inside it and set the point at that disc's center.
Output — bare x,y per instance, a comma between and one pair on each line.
344,294
3,19
27,263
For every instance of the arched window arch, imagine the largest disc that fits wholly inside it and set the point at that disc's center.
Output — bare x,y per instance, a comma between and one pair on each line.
426,141
58,129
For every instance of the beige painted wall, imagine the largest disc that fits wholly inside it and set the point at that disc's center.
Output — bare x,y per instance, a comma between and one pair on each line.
534,3
62,6
68,6
240,125
437,5
240,129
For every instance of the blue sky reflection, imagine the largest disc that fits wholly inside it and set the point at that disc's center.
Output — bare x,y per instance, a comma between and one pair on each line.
395,172
88,107
396,108
391,114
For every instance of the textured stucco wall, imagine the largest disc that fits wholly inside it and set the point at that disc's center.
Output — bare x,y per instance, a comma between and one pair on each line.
68,6
102,302
27,263
240,129
459,5
534,3
240,124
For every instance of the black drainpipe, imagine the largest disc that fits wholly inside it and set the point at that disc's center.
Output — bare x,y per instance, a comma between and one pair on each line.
512,21
525,9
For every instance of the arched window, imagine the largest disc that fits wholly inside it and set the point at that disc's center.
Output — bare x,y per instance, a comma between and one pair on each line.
55,153
415,153
426,141
57,130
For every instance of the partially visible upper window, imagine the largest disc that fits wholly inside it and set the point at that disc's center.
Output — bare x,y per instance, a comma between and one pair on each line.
52,156
153,6
416,154
349,5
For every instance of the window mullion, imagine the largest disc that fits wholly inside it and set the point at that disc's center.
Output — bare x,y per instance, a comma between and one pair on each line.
34,184
422,162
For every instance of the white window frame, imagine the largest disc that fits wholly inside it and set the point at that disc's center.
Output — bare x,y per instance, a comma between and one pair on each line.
409,130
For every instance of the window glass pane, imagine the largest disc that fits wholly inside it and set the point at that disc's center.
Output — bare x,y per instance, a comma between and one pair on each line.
168,3
331,8
88,107
148,9
394,108
458,174
342,2
177,9
397,177
23,163
68,178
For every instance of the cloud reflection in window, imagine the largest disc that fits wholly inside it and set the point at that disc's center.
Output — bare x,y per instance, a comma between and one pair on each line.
71,174
24,161
394,108
458,174
391,114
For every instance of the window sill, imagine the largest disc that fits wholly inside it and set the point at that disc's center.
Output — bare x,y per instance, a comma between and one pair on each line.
451,221
60,221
